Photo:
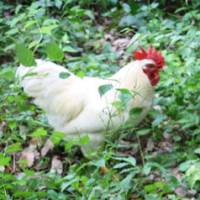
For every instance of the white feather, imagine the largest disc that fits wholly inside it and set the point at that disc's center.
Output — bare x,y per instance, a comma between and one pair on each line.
74,105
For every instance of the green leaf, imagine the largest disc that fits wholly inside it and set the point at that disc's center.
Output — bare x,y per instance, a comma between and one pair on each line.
80,74
126,8
193,174
159,118
125,184
90,14
84,140
197,151
152,165
68,183
24,55
48,29
99,163
64,75
13,148
146,169
104,88
186,165
159,185
135,111
54,52
70,49
56,137
70,143
131,160
124,91
4,160
58,3
40,132
143,131
118,105
125,96
120,165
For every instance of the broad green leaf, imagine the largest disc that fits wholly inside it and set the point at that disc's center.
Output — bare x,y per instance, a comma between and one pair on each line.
13,148
24,55
118,105
80,74
125,184
54,52
12,31
152,165
135,111
146,169
193,174
143,132
90,14
65,39
67,184
58,3
64,75
23,194
48,29
4,160
124,91
40,132
159,185
30,23
131,160
120,165
125,96
104,88
70,143
186,165
197,151
56,137
126,7
99,163
70,49
34,43
84,140
159,118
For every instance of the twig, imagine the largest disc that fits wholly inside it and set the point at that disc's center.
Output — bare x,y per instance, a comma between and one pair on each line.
140,149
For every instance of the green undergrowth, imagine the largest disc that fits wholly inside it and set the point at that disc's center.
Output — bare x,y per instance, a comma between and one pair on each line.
157,160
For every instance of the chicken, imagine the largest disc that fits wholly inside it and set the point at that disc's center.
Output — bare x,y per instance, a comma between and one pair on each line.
75,106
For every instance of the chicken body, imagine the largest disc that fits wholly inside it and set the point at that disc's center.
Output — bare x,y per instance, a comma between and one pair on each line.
74,106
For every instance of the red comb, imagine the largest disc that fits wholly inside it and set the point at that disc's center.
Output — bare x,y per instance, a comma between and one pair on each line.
152,54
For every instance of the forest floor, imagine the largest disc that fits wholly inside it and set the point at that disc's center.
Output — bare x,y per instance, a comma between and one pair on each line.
157,160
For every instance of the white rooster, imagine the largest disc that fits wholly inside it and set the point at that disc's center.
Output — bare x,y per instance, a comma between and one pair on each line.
76,107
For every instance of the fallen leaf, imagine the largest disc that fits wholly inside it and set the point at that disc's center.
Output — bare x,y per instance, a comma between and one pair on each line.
47,147
181,192
167,136
165,146
56,165
29,154
192,193
121,43
150,145
109,37
36,142
103,170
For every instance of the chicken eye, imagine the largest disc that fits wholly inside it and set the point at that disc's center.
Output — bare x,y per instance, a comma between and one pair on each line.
150,65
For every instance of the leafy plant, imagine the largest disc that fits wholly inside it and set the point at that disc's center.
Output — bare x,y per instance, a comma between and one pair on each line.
147,162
